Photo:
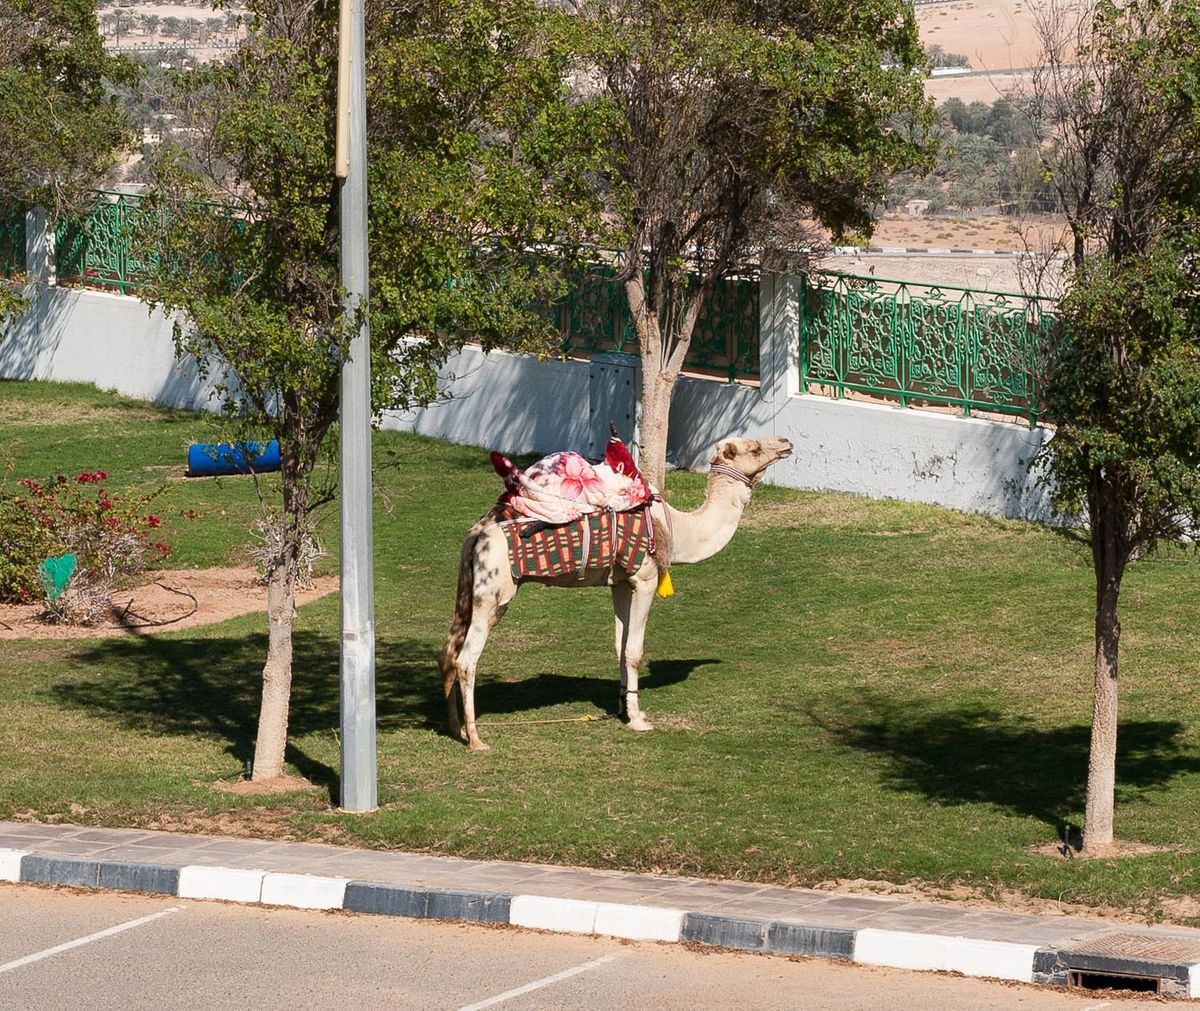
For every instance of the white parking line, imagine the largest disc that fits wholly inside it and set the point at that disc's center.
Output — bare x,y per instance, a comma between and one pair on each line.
100,934
537,984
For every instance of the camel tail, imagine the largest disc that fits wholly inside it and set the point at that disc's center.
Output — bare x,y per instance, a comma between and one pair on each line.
463,605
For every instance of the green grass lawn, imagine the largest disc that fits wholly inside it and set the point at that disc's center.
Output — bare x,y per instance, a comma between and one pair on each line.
852,689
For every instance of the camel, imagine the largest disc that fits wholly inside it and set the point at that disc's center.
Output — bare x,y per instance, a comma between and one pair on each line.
486,586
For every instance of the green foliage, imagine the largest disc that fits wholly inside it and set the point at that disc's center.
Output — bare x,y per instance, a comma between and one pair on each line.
937,56
1118,122
988,155
1122,380
24,543
475,154
1122,372
59,126
734,116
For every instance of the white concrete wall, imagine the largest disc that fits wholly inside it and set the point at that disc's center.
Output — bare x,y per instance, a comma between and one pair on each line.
520,405
512,403
871,449
76,335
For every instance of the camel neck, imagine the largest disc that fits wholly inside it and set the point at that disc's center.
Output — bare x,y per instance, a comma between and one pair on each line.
701,533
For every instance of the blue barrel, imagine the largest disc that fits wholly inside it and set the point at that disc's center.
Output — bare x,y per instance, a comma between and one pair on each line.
212,459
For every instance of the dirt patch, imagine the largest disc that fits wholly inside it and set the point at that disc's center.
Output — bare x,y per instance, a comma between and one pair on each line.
268,787
175,599
259,822
1114,850
1007,900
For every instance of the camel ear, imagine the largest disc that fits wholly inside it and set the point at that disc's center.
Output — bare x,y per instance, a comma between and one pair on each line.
729,451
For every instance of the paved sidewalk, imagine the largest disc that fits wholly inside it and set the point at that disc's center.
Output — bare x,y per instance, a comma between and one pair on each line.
787,921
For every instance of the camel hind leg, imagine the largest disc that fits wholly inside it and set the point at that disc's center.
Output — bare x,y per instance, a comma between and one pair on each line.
484,618
450,690
491,590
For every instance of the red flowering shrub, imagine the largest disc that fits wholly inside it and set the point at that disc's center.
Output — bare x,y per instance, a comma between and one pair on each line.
109,535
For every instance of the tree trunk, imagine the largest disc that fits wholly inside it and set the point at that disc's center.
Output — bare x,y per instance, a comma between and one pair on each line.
1102,756
652,436
1109,562
271,742
283,571
659,370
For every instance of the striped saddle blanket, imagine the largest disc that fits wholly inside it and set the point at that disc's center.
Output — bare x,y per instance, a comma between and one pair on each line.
596,541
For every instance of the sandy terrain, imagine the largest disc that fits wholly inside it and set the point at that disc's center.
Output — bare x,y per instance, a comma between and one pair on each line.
992,34
995,35
994,273
1000,233
976,87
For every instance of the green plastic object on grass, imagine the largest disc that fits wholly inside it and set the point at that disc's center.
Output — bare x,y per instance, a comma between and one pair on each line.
55,574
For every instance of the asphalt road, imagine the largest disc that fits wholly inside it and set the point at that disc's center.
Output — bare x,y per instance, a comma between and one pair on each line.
100,951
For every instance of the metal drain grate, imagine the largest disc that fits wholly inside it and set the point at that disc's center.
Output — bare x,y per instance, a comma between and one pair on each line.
1142,947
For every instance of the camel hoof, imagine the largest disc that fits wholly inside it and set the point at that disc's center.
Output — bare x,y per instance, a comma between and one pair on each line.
478,745
640,723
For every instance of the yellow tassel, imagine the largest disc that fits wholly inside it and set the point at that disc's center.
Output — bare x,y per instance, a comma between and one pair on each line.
665,589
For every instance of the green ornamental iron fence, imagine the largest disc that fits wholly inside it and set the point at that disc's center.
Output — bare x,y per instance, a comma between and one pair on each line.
594,316
94,248
909,342
934,344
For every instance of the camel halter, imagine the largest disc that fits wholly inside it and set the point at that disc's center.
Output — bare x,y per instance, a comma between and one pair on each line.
737,475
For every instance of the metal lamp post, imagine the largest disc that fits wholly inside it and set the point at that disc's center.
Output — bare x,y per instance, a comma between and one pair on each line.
358,761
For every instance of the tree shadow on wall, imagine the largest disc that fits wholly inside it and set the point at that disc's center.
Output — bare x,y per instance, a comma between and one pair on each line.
978,754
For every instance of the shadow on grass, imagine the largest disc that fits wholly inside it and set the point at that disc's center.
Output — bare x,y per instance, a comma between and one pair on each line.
212,685
560,689
978,754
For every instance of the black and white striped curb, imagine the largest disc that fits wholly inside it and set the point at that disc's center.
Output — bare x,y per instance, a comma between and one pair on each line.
1170,964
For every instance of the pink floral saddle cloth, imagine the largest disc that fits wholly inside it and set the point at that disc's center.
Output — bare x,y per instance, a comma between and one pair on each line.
562,487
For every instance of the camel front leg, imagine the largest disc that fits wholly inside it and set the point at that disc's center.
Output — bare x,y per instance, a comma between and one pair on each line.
631,609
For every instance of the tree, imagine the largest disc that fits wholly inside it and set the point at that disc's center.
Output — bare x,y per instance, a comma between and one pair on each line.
737,123
59,126
476,159
1118,121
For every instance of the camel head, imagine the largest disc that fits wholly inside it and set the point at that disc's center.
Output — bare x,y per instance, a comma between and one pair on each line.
751,457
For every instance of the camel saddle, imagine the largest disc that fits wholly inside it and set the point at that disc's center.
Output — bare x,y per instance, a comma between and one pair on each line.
594,541
563,515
